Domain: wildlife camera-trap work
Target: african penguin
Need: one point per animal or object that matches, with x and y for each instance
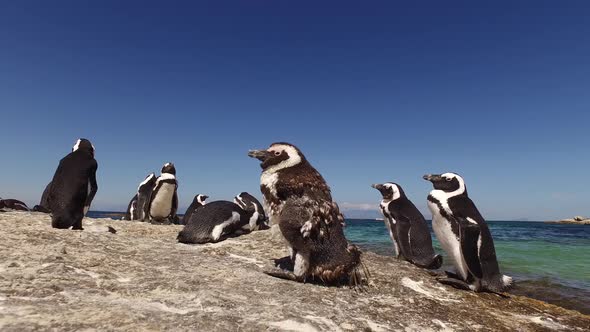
(299, 201)
(249, 203)
(138, 206)
(198, 201)
(164, 200)
(464, 235)
(73, 186)
(407, 227)
(13, 204)
(214, 222)
(131, 213)
(44, 204)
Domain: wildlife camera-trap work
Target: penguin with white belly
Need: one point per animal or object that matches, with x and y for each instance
(464, 235)
(164, 200)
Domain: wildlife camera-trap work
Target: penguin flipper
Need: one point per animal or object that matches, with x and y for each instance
(403, 236)
(469, 233)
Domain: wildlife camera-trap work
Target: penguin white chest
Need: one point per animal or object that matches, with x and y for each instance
(448, 240)
(390, 224)
(162, 201)
(269, 181)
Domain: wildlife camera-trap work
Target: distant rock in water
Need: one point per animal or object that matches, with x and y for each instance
(577, 220)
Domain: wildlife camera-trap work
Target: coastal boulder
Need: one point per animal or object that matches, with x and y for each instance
(142, 279)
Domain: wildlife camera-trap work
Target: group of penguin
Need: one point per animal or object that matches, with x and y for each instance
(457, 224)
(156, 201)
(299, 201)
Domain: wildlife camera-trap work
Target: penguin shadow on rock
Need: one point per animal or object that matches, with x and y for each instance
(219, 220)
(299, 201)
(465, 236)
(407, 227)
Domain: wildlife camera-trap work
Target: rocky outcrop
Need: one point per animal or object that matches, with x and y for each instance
(141, 279)
(577, 220)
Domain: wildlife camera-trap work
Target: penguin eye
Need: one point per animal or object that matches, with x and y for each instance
(448, 179)
(277, 153)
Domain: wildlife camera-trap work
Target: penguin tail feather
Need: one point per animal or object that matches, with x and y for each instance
(506, 281)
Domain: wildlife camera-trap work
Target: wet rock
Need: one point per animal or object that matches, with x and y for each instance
(142, 279)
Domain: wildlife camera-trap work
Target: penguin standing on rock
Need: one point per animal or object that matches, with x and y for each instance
(73, 186)
(164, 200)
(131, 213)
(138, 206)
(198, 202)
(44, 204)
(300, 203)
(464, 235)
(213, 222)
(407, 227)
(250, 203)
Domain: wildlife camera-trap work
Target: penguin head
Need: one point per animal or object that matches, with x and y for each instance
(83, 145)
(278, 156)
(200, 199)
(248, 202)
(447, 182)
(169, 168)
(390, 191)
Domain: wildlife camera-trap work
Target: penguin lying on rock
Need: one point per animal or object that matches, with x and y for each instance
(13, 204)
(300, 203)
(465, 236)
(247, 202)
(198, 201)
(215, 221)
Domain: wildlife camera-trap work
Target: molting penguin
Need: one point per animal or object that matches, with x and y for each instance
(44, 204)
(198, 201)
(407, 227)
(164, 200)
(249, 203)
(214, 222)
(464, 235)
(13, 204)
(300, 203)
(73, 186)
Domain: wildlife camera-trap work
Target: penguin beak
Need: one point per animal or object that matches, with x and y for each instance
(261, 155)
(377, 186)
(432, 177)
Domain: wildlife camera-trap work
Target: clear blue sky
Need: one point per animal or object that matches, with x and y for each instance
(498, 92)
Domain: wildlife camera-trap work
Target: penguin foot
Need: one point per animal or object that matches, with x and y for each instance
(456, 283)
(452, 275)
(280, 273)
(285, 263)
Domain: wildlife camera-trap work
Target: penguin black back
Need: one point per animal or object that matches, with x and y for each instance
(73, 186)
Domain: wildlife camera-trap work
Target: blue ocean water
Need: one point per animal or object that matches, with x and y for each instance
(549, 262)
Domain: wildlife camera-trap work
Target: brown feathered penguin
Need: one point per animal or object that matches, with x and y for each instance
(300, 203)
